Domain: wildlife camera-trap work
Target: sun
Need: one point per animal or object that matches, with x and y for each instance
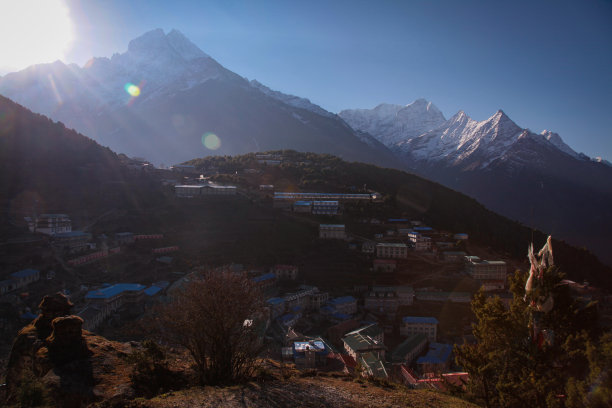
(33, 32)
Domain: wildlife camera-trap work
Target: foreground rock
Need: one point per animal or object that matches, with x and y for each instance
(72, 367)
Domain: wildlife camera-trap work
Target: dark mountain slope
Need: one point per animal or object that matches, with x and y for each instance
(44, 164)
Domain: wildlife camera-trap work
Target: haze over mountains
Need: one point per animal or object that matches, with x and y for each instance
(183, 94)
(534, 178)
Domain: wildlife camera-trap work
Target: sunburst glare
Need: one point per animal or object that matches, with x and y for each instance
(33, 32)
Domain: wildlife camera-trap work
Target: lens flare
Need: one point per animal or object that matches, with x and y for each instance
(211, 141)
(133, 90)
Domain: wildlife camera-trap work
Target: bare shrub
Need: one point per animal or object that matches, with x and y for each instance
(216, 318)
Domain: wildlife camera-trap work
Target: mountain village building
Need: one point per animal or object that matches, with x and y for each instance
(332, 231)
(285, 272)
(485, 270)
(387, 299)
(50, 224)
(414, 324)
(391, 250)
(325, 207)
(419, 242)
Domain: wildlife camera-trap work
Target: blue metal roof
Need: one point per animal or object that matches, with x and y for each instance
(276, 301)
(71, 234)
(416, 319)
(152, 290)
(423, 229)
(438, 353)
(114, 290)
(24, 272)
(265, 277)
(286, 317)
(327, 309)
(342, 300)
(305, 203)
(28, 316)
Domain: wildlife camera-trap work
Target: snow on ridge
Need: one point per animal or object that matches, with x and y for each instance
(292, 100)
(391, 124)
(556, 141)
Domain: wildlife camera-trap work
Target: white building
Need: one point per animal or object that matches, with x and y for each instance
(205, 190)
(419, 241)
(332, 231)
(325, 207)
(50, 224)
(414, 324)
(485, 270)
(391, 250)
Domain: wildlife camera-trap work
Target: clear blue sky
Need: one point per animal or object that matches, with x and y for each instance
(547, 64)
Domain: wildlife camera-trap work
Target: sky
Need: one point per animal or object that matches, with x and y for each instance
(546, 63)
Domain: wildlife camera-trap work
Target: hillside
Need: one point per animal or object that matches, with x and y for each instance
(409, 196)
(46, 167)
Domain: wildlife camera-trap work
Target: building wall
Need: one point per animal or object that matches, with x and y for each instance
(391, 251)
(332, 233)
(428, 329)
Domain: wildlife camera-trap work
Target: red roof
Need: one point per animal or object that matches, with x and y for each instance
(347, 360)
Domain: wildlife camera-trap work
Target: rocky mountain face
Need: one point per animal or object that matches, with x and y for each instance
(161, 97)
(533, 178)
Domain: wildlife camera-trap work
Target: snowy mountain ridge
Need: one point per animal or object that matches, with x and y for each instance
(456, 140)
(391, 124)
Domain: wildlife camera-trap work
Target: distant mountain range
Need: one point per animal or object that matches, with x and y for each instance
(534, 178)
(159, 99)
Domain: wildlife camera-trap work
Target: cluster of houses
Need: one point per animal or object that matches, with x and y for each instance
(362, 351)
(360, 344)
(107, 300)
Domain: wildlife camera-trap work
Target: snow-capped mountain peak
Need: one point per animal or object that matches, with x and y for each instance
(391, 123)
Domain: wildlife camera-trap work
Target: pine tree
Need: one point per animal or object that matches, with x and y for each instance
(524, 358)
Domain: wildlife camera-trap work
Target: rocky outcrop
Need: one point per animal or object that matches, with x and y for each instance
(75, 367)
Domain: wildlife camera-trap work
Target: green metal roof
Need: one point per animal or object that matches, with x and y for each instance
(407, 346)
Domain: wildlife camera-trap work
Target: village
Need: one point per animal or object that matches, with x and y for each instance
(398, 319)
